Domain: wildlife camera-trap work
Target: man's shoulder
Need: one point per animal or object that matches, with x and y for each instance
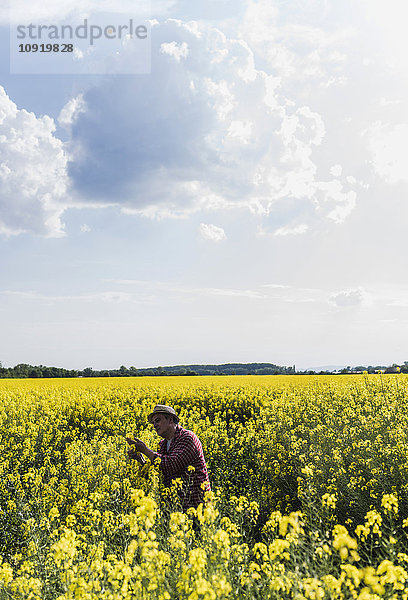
(185, 432)
(186, 435)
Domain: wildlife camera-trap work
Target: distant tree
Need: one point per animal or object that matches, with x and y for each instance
(36, 373)
(22, 370)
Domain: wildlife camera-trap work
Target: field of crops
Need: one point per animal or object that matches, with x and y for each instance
(309, 493)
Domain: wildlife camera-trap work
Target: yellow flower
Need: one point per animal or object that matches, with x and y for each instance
(6, 573)
(344, 543)
(390, 503)
(312, 588)
(65, 549)
(393, 574)
(329, 500)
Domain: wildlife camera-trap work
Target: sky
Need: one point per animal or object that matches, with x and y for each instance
(241, 197)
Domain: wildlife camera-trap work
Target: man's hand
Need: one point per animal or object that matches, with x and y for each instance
(137, 447)
(136, 444)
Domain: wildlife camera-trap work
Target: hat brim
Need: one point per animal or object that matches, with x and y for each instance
(162, 412)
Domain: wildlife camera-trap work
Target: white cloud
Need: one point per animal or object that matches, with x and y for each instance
(283, 294)
(390, 19)
(23, 11)
(260, 20)
(212, 232)
(108, 296)
(388, 144)
(353, 297)
(241, 131)
(222, 136)
(177, 51)
(298, 229)
(337, 203)
(85, 228)
(33, 179)
(336, 170)
(70, 112)
(292, 38)
(227, 292)
(225, 134)
(115, 296)
(385, 102)
(78, 54)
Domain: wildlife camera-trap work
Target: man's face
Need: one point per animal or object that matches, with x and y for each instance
(161, 423)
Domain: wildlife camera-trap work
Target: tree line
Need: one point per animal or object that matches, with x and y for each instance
(26, 371)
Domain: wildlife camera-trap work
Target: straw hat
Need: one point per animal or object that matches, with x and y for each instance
(162, 409)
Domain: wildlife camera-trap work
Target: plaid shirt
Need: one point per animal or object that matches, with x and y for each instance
(185, 450)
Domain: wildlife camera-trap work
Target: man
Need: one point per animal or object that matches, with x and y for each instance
(178, 450)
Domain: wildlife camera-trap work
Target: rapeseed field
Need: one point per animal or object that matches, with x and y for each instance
(309, 490)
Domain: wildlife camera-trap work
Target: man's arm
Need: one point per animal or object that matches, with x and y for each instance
(182, 456)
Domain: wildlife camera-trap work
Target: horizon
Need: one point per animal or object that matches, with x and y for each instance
(297, 368)
(238, 189)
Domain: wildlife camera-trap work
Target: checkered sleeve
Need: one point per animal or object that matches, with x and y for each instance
(184, 454)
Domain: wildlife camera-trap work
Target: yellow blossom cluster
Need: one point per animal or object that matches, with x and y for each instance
(309, 478)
